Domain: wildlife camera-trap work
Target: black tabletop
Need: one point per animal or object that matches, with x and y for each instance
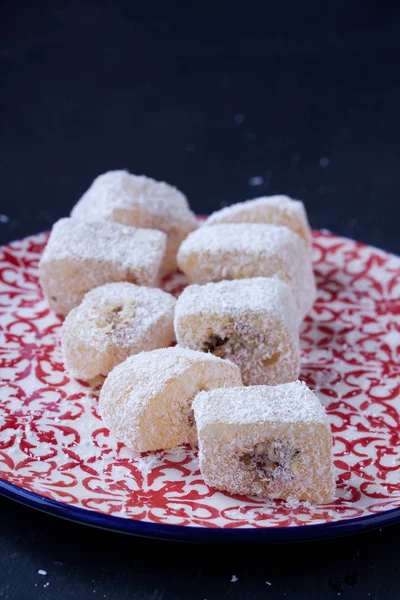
(227, 101)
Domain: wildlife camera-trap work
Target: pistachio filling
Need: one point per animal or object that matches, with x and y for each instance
(272, 460)
(236, 344)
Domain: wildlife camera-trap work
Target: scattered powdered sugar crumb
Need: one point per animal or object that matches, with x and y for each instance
(4, 219)
(348, 495)
(42, 572)
(324, 162)
(293, 503)
(256, 180)
(118, 472)
(46, 584)
(234, 579)
(147, 463)
(268, 583)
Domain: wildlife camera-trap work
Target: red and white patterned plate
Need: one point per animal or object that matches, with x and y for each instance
(56, 454)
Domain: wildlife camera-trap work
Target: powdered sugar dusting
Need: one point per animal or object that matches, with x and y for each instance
(246, 237)
(278, 210)
(73, 239)
(236, 297)
(235, 209)
(291, 402)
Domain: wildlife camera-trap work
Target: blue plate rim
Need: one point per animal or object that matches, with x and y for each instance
(190, 533)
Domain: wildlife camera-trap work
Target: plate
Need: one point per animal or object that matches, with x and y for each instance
(56, 454)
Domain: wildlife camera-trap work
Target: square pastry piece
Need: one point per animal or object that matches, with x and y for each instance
(139, 201)
(278, 210)
(113, 322)
(81, 255)
(252, 322)
(146, 401)
(273, 442)
(243, 250)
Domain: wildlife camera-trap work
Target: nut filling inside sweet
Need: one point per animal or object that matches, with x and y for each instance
(112, 315)
(272, 460)
(215, 345)
(247, 347)
(272, 359)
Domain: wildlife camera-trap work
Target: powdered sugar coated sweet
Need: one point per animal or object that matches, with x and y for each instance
(278, 210)
(114, 321)
(119, 191)
(146, 400)
(244, 250)
(113, 242)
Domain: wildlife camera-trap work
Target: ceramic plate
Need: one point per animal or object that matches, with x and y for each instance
(56, 454)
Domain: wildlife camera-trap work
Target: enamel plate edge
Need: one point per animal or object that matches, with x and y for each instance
(53, 443)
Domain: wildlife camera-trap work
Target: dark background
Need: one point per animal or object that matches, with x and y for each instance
(155, 87)
(305, 96)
